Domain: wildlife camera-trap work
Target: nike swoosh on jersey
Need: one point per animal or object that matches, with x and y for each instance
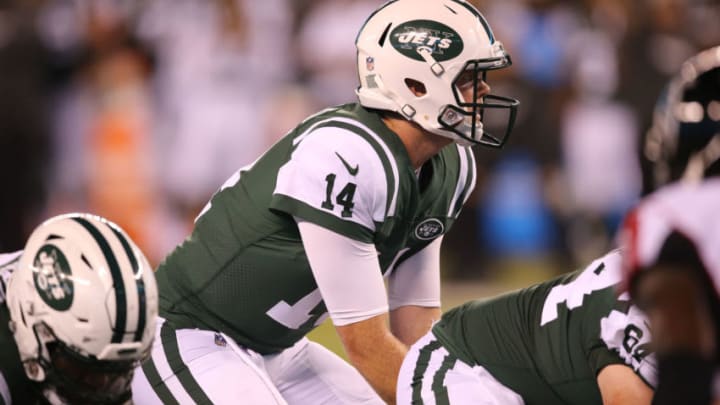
(352, 170)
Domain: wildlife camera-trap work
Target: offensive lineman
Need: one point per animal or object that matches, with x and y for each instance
(78, 308)
(673, 236)
(569, 340)
(352, 194)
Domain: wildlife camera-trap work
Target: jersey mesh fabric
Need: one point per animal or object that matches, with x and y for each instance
(243, 270)
(556, 362)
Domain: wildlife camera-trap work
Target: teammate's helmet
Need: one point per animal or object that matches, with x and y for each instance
(684, 140)
(434, 45)
(83, 307)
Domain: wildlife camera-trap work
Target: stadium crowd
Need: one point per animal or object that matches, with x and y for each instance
(137, 110)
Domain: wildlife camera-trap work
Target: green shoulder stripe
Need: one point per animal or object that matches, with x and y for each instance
(470, 173)
(463, 161)
(381, 149)
(346, 228)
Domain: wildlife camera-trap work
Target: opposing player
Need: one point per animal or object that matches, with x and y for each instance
(570, 340)
(672, 238)
(352, 194)
(78, 308)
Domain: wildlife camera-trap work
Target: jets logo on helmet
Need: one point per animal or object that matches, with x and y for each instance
(433, 71)
(442, 42)
(53, 278)
(83, 306)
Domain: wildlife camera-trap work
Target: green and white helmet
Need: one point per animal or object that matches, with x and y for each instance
(83, 306)
(434, 45)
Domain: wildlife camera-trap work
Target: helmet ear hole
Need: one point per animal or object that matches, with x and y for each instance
(417, 88)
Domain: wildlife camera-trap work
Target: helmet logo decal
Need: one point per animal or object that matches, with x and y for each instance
(442, 41)
(53, 278)
(429, 229)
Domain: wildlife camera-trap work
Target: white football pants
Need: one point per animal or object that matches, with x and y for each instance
(430, 375)
(193, 366)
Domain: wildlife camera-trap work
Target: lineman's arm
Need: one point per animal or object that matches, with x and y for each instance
(683, 333)
(414, 294)
(375, 352)
(348, 275)
(619, 385)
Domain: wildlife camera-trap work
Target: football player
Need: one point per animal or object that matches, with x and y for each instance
(353, 194)
(78, 307)
(672, 238)
(569, 340)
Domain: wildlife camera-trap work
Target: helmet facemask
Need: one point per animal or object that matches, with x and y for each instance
(467, 117)
(684, 140)
(440, 46)
(73, 378)
(83, 307)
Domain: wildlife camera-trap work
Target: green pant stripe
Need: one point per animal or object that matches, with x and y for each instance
(421, 366)
(157, 384)
(438, 384)
(178, 367)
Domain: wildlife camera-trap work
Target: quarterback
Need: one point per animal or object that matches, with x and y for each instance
(353, 194)
(78, 308)
(570, 340)
(673, 236)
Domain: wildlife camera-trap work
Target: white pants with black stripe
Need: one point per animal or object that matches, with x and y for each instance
(430, 375)
(204, 367)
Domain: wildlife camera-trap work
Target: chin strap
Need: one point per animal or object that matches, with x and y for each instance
(6, 270)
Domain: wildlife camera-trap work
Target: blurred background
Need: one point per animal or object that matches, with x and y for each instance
(139, 110)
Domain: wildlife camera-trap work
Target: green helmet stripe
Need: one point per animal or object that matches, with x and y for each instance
(371, 16)
(120, 296)
(140, 284)
(480, 17)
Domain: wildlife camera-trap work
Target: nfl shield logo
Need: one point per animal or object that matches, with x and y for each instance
(370, 63)
(220, 340)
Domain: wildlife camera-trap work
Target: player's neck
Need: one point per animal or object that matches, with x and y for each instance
(420, 144)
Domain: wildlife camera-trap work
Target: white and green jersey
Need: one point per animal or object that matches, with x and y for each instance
(244, 272)
(15, 387)
(548, 342)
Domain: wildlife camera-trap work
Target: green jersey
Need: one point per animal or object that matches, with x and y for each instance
(548, 342)
(15, 387)
(243, 270)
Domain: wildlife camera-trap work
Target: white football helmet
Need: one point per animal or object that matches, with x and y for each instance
(434, 45)
(83, 306)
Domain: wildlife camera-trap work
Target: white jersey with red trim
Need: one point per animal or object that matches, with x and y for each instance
(692, 210)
